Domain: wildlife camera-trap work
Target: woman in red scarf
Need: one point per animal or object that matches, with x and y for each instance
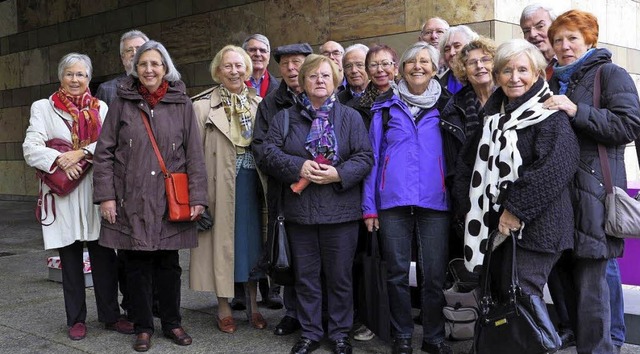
(129, 185)
(72, 222)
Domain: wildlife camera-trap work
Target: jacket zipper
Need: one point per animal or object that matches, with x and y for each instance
(444, 187)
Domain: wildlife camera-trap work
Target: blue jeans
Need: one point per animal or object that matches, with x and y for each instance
(431, 228)
(616, 302)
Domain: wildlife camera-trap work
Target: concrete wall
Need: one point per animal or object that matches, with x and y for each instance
(34, 35)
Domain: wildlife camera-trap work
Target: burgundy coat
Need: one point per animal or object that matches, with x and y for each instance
(126, 169)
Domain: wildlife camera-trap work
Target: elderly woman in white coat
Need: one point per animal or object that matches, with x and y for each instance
(229, 251)
(72, 114)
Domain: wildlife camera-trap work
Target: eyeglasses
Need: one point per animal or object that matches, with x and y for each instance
(316, 77)
(414, 62)
(254, 50)
(131, 50)
(151, 64)
(334, 53)
(71, 76)
(540, 26)
(358, 65)
(384, 64)
(429, 33)
(296, 62)
(476, 62)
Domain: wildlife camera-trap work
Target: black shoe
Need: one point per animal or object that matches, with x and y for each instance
(273, 299)
(402, 346)
(304, 346)
(287, 326)
(440, 348)
(568, 338)
(342, 346)
(238, 305)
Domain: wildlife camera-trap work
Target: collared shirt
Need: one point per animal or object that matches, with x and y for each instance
(356, 94)
(257, 84)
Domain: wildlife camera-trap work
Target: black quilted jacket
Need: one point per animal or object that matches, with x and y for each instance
(616, 124)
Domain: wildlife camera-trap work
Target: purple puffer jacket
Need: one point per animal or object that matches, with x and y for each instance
(408, 167)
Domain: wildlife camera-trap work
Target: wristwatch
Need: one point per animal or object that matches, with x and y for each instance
(86, 153)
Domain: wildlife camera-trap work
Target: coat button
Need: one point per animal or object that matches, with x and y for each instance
(153, 173)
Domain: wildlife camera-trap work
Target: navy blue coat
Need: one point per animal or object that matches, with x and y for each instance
(283, 159)
(614, 125)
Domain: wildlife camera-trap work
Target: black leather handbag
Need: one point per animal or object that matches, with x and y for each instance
(280, 267)
(521, 324)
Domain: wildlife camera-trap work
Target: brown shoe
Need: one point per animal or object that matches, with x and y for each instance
(121, 326)
(257, 321)
(227, 324)
(143, 342)
(178, 336)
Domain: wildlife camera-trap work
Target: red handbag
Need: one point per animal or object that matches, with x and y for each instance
(58, 181)
(176, 184)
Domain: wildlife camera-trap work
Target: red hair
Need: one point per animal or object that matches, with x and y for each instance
(576, 20)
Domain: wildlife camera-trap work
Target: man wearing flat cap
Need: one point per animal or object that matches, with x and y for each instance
(289, 58)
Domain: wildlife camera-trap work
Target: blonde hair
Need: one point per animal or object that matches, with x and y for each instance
(217, 60)
(313, 61)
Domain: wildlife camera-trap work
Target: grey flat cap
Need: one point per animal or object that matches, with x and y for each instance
(298, 48)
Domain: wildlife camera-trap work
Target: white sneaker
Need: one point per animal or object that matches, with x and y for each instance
(363, 334)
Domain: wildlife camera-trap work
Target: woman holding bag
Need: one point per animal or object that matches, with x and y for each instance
(73, 115)
(130, 187)
(514, 177)
(574, 36)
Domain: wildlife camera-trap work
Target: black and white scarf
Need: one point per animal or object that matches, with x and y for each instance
(496, 165)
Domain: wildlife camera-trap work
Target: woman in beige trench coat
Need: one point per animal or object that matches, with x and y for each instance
(220, 111)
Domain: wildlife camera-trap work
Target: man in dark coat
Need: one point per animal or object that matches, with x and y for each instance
(289, 58)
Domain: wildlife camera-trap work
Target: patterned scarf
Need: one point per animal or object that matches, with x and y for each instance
(85, 111)
(497, 163)
(153, 98)
(369, 95)
(321, 140)
(418, 103)
(238, 111)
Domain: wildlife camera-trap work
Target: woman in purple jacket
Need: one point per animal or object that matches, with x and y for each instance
(405, 195)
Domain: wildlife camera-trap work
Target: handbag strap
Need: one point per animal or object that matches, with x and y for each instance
(145, 120)
(602, 150)
(373, 248)
(514, 288)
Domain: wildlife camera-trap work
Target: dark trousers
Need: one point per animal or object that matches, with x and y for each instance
(593, 318)
(289, 299)
(533, 268)
(105, 283)
(122, 282)
(562, 292)
(398, 226)
(141, 267)
(327, 249)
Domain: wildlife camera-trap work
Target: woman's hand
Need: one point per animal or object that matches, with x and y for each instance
(69, 158)
(325, 174)
(561, 103)
(508, 222)
(108, 211)
(73, 172)
(372, 224)
(308, 167)
(196, 211)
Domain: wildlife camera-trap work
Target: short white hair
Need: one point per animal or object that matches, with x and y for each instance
(71, 59)
(530, 9)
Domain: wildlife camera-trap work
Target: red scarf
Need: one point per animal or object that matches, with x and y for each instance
(265, 84)
(153, 98)
(85, 111)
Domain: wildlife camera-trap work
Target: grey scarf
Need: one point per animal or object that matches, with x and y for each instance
(418, 103)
